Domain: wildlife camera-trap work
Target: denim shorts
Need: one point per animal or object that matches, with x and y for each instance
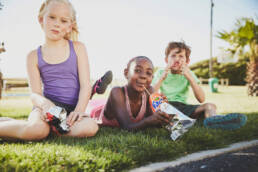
(184, 108)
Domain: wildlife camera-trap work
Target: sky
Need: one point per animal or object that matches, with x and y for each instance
(114, 31)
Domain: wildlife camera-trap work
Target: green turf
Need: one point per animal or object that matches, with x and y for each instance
(118, 150)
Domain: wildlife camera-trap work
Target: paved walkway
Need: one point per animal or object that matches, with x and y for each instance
(223, 160)
(245, 160)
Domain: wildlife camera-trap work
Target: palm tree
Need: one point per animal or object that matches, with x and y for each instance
(245, 36)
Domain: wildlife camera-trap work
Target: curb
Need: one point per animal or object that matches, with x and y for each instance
(195, 157)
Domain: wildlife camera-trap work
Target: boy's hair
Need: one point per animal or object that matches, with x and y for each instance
(73, 35)
(181, 46)
(137, 58)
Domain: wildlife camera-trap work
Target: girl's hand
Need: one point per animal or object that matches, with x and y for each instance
(159, 117)
(74, 117)
(165, 116)
(164, 97)
(45, 108)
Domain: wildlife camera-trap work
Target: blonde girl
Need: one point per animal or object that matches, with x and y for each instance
(58, 74)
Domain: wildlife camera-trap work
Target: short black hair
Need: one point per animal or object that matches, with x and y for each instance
(137, 58)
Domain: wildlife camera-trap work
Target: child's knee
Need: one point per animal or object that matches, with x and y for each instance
(36, 131)
(90, 129)
(210, 106)
(85, 128)
(35, 115)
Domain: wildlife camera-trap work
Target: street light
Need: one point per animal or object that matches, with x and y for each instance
(213, 82)
(210, 63)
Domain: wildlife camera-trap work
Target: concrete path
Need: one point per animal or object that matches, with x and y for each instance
(166, 166)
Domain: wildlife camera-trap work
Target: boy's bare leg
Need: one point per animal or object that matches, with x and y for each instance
(86, 127)
(32, 129)
(208, 109)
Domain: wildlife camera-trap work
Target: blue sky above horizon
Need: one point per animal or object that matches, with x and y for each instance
(116, 30)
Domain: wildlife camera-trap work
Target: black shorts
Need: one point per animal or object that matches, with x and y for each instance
(67, 107)
(184, 108)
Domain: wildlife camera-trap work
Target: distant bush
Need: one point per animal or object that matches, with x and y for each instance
(235, 72)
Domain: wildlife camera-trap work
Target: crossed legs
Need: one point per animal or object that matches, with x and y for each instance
(86, 127)
(35, 128)
(32, 129)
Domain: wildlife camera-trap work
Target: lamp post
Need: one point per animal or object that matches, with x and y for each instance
(210, 63)
(213, 82)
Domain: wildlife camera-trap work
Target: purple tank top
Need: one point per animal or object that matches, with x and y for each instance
(60, 81)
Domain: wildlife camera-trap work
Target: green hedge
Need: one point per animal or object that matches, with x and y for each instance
(235, 72)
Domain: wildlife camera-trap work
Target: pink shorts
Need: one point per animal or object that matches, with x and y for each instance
(96, 111)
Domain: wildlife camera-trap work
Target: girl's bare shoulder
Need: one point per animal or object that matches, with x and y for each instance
(80, 51)
(78, 45)
(115, 99)
(32, 56)
(116, 91)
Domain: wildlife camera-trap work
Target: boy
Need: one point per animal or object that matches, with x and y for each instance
(174, 82)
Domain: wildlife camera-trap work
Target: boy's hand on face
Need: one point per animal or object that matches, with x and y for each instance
(165, 73)
(185, 70)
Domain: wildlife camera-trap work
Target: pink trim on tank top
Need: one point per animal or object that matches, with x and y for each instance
(97, 113)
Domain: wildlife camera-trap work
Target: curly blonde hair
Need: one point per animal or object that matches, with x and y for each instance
(73, 35)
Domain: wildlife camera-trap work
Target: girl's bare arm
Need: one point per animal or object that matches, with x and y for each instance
(197, 89)
(85, 87)
(37, 98)
(84, 77)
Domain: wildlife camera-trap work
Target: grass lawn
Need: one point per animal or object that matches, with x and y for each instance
(118, 150)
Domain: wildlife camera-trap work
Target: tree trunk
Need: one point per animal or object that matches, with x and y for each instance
(252, 78)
